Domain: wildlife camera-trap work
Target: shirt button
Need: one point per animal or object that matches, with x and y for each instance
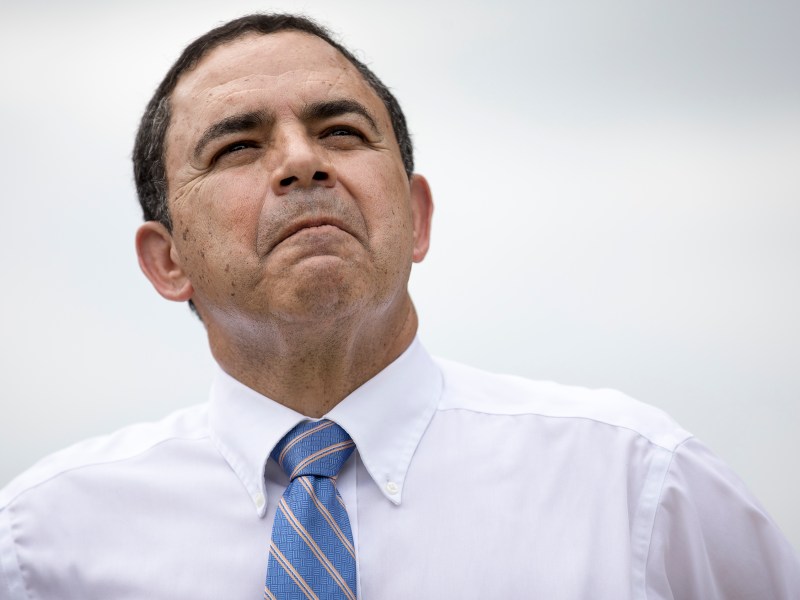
(392, 487)
(259, 500)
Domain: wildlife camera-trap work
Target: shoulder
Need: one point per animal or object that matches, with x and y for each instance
(471, 389)
(711, 538)
(124, 445)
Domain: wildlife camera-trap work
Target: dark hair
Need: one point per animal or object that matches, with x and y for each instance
(149, 169)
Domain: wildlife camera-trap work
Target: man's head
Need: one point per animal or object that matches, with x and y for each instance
(285, 170)
(149, 150)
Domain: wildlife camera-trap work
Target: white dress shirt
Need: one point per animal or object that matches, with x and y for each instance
(464, 484)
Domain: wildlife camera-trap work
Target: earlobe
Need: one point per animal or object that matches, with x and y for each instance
(159, 262)
(422, 213)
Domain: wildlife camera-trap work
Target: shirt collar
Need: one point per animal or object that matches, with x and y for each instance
(386, 417)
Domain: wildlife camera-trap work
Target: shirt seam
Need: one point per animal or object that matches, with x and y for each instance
(580, 417)
(10, 559)
(655, 514)
(96, 463)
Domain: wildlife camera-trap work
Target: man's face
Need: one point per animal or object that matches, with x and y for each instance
(286, 189)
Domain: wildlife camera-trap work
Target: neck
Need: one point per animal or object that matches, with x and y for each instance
(310, 369)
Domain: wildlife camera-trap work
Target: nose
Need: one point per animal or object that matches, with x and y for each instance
(302, 163)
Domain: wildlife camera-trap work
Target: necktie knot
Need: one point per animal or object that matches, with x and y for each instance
(313, 448)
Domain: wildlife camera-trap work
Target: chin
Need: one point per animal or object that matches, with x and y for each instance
(325, 294)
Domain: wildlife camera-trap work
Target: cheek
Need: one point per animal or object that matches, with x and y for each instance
(235, 198)
(220, 205)
(389, 220)
(395, 212)
(215, 226)
(384, 196)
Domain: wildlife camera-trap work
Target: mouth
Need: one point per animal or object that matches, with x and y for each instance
(307, 224)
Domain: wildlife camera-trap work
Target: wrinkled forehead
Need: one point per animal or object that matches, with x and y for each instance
(282, 64)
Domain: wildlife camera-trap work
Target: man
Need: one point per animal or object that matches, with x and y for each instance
(276, 177)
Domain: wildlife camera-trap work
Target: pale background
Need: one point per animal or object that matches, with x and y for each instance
(618, 202)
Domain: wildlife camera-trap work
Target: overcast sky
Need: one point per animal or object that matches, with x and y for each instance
(618, 202)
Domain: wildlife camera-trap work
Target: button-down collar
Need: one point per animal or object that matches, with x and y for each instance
(386, 418)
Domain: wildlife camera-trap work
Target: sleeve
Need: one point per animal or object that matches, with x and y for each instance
(712, 539)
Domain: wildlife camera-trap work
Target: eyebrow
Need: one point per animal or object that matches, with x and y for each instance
(233, 124)
(318, 111)
(249, 121)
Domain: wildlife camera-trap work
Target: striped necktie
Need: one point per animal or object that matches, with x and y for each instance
(311, 555)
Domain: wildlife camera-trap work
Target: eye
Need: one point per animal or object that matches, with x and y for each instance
(342, 131)
(237, 146)
(233, 148)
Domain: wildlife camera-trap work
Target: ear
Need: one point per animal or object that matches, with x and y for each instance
(422, 213)
(158, 260)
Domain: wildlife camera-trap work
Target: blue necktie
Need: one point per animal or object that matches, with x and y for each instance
(311, 555)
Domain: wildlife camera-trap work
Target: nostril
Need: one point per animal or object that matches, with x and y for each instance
(288, 180)
(320, 176)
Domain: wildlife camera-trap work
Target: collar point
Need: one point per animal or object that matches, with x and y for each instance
(393, 491)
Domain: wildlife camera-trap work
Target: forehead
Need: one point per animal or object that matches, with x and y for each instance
(285, 66)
